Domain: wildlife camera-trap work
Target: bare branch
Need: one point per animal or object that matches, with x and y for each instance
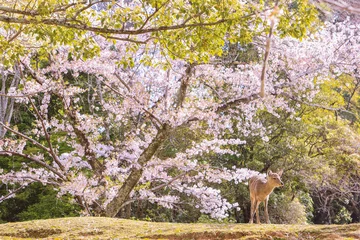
(9, 195)
(47, 136)
(44, 164)
(26, 137)
(267, 49)
(15, 35)
(20, 96)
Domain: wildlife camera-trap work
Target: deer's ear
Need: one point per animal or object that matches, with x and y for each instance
(280, 172)
(269, 172)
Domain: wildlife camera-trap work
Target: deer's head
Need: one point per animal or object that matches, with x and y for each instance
(274, 179)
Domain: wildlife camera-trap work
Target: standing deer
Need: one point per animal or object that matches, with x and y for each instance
(260, 190)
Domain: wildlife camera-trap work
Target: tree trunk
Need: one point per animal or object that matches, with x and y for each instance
(116, 204)
(183, 87)
(353, 207)
(6, 103)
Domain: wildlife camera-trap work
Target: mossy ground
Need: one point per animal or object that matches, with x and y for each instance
(108, 228)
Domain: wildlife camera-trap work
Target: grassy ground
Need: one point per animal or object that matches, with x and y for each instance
(107, 228)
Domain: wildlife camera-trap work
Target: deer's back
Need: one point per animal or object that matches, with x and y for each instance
(256, 187)
(255, 180)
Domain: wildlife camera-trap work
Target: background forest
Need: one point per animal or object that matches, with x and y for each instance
(162, 110)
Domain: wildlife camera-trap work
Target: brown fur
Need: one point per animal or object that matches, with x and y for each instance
(260, 190)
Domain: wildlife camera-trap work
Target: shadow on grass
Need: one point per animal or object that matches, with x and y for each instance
(34, 233)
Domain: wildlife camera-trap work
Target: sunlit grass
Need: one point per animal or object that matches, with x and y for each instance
(109, 228)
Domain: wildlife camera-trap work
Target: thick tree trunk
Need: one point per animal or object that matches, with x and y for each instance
(116, 204)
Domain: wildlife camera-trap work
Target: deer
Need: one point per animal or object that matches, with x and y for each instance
(260, 190)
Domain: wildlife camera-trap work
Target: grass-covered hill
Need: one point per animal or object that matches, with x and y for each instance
(108, 228)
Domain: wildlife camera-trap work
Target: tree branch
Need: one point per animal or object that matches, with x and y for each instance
(34, 13)
(267, 49)
(183, 86)
(129, 39)
(3, 198)
(91, 157)
(135, 99)
(47, 136)
(153, 14)
(236, 102)
(45, 165)
(26, 137)
(115, 205)
(68, 24)
(20, 96)
(169, 182)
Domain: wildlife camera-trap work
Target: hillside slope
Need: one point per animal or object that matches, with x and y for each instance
(108, 228)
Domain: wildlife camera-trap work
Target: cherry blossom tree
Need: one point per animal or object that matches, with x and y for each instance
(101, 121)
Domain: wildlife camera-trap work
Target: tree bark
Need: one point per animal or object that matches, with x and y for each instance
(116, 204)
(183, 87)
(6, 104)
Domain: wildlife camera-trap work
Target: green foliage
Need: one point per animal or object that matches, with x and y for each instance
(179, 141)
(297, 19)
(36, 202)
(343, 216)
(236, 53)
(194, 31)
(49, 206)
(306, 200)
(284, 210)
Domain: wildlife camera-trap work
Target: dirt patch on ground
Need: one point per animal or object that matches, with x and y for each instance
(328, 235)
(34, 233)
(352, 235)
(280, 235)
(91, 233)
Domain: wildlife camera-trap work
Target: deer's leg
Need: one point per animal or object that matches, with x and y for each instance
(266, 210)
(257, 211)
(252, 210)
